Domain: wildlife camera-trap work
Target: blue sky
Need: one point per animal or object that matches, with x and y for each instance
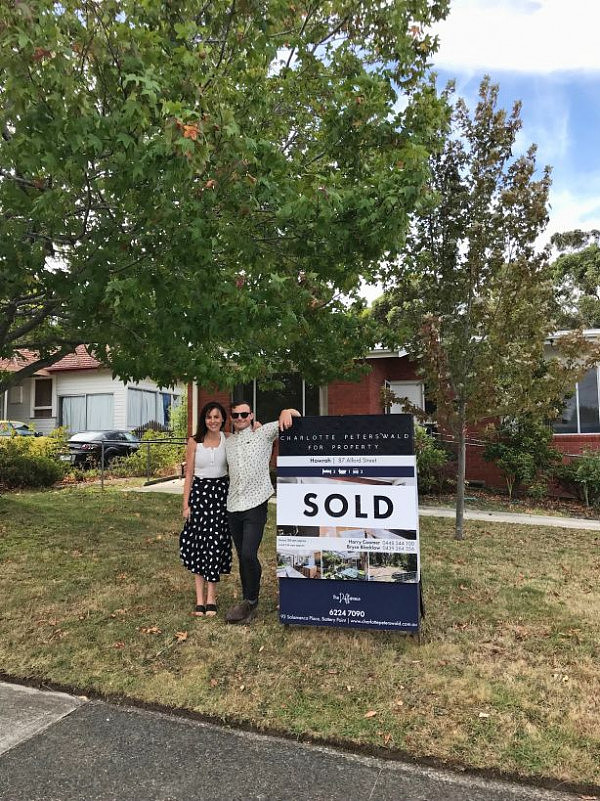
(545, 53)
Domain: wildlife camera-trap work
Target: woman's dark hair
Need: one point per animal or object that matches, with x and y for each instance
(202, 429)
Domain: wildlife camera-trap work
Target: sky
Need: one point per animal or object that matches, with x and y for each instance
(545, 53)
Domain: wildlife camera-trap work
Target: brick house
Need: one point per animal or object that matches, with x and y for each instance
(576, 431)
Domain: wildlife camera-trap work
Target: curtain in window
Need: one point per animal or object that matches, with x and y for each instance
(100, 413)
(73, 413)
(142, 407)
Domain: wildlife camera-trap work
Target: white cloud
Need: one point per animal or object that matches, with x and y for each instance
(570, 211)
(534, 36)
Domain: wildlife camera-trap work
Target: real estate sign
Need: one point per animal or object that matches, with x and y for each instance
(348, 524)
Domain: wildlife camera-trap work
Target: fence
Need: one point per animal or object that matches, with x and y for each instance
(145, 455)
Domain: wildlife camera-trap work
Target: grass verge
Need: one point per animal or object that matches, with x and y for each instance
(507, 678)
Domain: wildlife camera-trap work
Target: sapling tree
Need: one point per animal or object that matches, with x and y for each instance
(472, 297)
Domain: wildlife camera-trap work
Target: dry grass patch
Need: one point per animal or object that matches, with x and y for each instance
(506, 677)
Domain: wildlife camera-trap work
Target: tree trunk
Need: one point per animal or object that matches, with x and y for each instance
(460, 477)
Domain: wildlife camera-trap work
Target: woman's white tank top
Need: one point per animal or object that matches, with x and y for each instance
(210, 462)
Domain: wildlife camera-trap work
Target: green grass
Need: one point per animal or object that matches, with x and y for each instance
(506, 677)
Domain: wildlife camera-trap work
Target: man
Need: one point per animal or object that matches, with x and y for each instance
(248, 456)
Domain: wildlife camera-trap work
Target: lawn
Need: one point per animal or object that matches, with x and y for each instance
(506, 676)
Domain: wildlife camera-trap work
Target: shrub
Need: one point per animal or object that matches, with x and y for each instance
(179, 419)
(155, 458)
(581, 476)
(29, 462)
(431, 460)
(521, 450)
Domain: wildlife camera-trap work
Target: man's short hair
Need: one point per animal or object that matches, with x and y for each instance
(237, 403)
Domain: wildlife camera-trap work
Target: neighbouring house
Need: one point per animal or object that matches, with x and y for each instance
(80, 393)
(577, 430)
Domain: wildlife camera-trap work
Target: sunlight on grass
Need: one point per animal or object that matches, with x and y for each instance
(506, 677)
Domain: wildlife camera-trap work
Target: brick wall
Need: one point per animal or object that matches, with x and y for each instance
(363, 396)
(204, 396)
(576, 443)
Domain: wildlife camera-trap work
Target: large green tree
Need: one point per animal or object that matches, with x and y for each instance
(196, 187)
(472, 298)
(576, 273)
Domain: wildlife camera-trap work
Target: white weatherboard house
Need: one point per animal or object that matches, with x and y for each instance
(80, 393)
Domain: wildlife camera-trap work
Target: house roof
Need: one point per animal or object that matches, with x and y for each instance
(80, 359)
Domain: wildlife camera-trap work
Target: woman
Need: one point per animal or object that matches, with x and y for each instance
(205, 542)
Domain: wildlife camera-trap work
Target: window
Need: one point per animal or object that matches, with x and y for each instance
(149, 406)
(267, 403)
(413, 390)
(581, 412)
(87, 412)
(42, 398)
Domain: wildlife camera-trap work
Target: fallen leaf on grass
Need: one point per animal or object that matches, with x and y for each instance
(262, 648)
(119, 644)
(214, 682)
(181, 636)
(371, 713)
(118, 612)
(242, 687)
(149, 630)
(483, 715)
(386, 738)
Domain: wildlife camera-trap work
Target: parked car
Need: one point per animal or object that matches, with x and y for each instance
(85, 448)
(10, 428)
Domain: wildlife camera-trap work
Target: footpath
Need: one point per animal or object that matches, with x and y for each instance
(58, 747)
(175, 486)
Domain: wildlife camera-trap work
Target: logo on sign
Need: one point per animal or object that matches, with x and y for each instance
(344, 597)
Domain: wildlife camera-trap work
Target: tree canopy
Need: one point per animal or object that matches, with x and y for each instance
(195, 189)
(576, 273)
(472, 296)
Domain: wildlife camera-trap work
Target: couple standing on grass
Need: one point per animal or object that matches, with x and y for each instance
(225, 494)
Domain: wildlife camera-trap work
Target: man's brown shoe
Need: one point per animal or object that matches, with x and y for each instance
(241, 613)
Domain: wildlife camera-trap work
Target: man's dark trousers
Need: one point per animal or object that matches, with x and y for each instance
(247, 530)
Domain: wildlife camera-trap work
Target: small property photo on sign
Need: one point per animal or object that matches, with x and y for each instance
(347, 523)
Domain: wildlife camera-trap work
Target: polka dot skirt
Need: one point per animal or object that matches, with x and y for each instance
(205, 542)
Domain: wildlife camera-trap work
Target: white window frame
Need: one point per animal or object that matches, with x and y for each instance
(420, 384)
(323, 399)
(579, 432)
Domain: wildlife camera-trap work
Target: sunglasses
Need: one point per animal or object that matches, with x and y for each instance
(243, 415)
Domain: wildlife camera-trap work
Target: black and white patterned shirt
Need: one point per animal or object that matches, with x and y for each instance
(248, 457)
